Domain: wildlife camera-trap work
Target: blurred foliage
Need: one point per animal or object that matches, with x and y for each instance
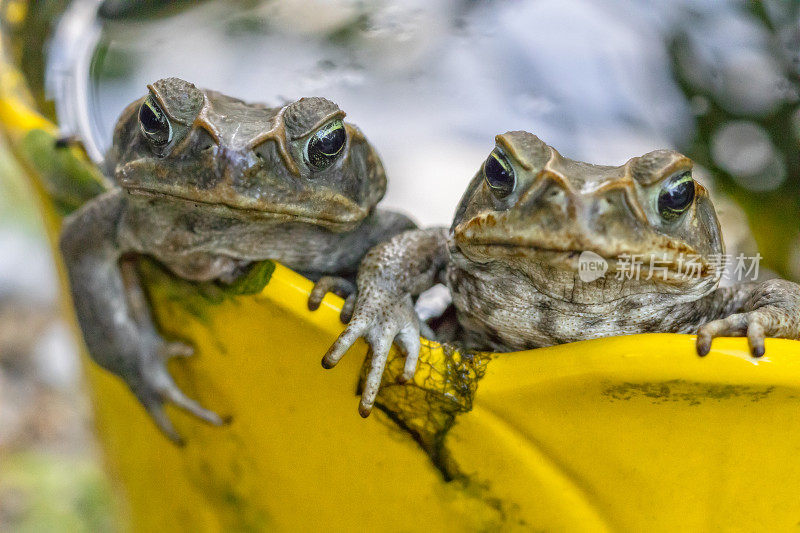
(143, 9)
(21, 22)
(16, 205)
(774, 215)
(43, 488)
(71, 181)
(110, 63)
(46, 492)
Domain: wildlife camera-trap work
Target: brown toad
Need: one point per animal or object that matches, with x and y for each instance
(512, 262)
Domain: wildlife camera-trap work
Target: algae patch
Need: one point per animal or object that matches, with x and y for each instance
(679, 390)
(443, 387)
(194, 297)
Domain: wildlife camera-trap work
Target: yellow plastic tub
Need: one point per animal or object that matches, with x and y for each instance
(631, 433)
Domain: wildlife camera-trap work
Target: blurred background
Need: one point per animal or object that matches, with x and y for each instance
(430, 82)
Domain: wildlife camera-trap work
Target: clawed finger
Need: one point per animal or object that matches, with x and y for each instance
(317, 294)
(372, 384)
(426, 331)
(408, 341)
(338, 286)
(343, 343)
(755, 338)
(347, 309)
(156, 410)
(173, 394)
(177, 349)
(735, 325)
(157, 388)
(703, 344)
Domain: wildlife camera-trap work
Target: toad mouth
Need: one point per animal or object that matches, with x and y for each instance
(273, 212)
(645, 262)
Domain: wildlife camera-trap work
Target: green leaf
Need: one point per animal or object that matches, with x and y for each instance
(71, 181)
(254, 280)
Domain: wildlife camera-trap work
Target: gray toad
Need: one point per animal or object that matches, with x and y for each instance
(207, 184)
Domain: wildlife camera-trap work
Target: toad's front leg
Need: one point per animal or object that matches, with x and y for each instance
(755, 310)
(390, 275)
(379, 227)
(113, 313)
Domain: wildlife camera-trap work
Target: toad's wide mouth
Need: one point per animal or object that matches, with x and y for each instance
(668, 263)
(268, 211)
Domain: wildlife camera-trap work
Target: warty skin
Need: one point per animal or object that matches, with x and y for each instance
(511, 262)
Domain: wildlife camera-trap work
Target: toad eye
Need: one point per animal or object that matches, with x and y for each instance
(154, 123)
(676, 196)
(499, 174)
(325, 145)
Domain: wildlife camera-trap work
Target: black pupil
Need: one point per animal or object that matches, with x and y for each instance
(499, 175)
(325, 145)
(676, 196)
(154, 123)
(331, 143)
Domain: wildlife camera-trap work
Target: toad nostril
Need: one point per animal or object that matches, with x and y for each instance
(608, 205)
(555, 197)
(548, 196)
(603, 205)
(616, 204)
(203, 141)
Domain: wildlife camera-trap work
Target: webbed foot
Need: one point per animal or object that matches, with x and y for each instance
(153, 385)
